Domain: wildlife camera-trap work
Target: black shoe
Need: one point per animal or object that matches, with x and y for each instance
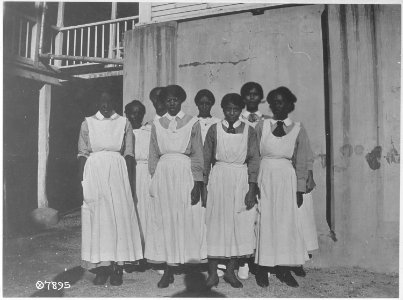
(289, 280)
(232, 280)
(117, 275)
(299, 271)
(262, 278)
(212, 280)
(102, 275)
(253, 268)
(166, 280)
(101, 279)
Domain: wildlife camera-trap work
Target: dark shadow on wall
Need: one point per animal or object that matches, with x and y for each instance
(20, 152)
(71, 103)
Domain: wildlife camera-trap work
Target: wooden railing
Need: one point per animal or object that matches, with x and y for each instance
(19, 35)
(98, 40)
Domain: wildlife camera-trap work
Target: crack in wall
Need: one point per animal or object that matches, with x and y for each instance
(197, 63)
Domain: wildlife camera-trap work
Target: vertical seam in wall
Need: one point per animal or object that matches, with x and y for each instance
(142, 33)
(158, 53)
(375, 69)
(379, 172)
(345, 118)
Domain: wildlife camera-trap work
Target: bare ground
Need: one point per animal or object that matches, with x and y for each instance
(54, 255)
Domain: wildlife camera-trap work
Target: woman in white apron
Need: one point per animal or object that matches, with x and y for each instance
(205, 100)
(282, 184)
(135, 112)
(231, 147)
(110, 232)
(176, 232)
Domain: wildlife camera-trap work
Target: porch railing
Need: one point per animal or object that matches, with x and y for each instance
(99, 40)
(74, 45)
(19, 35)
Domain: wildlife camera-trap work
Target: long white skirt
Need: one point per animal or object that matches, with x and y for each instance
(230, 227)
(176, 231)
(110, 230)
(280, 238)
(307, 219)
(143, 180)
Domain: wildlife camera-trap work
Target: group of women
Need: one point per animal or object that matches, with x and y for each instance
(189, 190)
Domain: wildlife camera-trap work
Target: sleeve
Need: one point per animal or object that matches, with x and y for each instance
(196, 153)
(301, 159)
(129, 141)
(259, 130)
(83, 140)
(253, 156)
(154, 152)
(209, 150)
(310, 155)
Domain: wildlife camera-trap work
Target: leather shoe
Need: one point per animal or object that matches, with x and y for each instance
(233, 281)
(288, 279)
(262, 279)
(166, 280)
(299, 271)
(102, 275)
(117, 275)
(212, 280)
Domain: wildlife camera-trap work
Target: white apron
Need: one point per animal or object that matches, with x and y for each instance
(176, 232)
(143, 177)
(307, 219)
(280, 238)
(110, 229)
(230, 227)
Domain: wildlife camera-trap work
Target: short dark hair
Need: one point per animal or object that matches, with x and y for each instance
(285, 93)
(174, 90)
(136, 103)
(250, 85)
(204, 93)
(155, 93)
(232, 98)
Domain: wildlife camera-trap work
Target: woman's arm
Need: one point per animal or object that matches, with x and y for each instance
(197, 162)
(154, 152)
(209, 150)
(83, 149)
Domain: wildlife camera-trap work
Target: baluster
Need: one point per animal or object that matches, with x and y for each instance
(96, 41)
(20, 38)
(132, 24)
(117, 42)
(68, 46)
(125, 26)
(75, 44)
(103, 40)
(26, 41)
(81, 45)
(51, 47)
(88, 40)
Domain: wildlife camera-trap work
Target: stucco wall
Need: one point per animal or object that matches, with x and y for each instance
(280, 47)
(364, 44)
(284, 46)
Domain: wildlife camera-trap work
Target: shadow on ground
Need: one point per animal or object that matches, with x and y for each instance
(195, 284)
(71, 276)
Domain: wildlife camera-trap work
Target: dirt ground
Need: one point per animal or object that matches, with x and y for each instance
(54, 255)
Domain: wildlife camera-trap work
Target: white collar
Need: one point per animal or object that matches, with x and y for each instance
(179, 115)
(157, 117)
(236, 124)
(246, 114)
(100, 116)
(287, 122)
